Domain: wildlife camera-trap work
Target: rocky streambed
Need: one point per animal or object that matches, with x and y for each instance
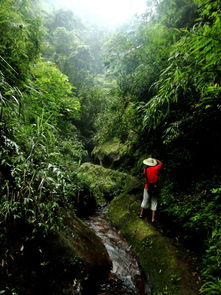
(125, 276)
(161, 260)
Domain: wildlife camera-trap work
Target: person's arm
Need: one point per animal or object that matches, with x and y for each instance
(160, 164)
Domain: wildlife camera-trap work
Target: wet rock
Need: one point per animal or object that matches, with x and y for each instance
(90, 249)
(72, 261)
(160, 260)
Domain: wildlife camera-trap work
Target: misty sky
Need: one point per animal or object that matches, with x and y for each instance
(106, 12)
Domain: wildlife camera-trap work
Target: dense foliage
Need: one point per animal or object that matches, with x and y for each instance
(39, 140)
(152, 89)
(76, 48)
(167, 68)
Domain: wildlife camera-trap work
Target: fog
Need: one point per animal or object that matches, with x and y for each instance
(101, 12)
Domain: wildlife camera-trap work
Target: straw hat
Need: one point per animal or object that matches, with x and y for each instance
(150, 162)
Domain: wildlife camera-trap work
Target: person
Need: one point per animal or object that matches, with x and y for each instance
(151, 187)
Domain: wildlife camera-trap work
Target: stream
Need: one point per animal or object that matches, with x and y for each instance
(126, 276)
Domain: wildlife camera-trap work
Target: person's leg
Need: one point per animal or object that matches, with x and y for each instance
(144, 204)
(153, 207)
(153, 215)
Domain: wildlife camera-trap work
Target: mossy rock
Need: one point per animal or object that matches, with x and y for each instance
(87, 247)
(76, 255)
(159, 258)
(56, 262)
(110, 151)
(103, 183)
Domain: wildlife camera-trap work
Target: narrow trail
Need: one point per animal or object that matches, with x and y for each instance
(125, 276)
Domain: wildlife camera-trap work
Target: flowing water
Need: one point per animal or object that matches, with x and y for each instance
(125, 277)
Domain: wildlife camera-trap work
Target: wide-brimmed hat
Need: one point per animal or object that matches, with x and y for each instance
(150, 162)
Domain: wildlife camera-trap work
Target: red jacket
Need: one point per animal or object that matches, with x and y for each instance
(152, 174)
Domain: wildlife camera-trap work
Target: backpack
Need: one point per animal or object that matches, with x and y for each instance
(153, 188)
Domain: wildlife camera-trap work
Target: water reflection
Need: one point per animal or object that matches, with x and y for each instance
(125, 277)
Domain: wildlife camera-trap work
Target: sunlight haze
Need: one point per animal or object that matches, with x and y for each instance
(108, 12)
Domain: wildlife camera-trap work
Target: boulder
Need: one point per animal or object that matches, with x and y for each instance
(104, 184)
(162, 262)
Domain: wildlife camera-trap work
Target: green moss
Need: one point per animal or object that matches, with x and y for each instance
(87, 245)
(113, 149)
(77, 241)
(158, 257)
(104, 183)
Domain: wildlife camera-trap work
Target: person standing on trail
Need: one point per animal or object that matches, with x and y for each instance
(151, 187)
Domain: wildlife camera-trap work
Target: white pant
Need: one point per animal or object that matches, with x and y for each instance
(149, 199)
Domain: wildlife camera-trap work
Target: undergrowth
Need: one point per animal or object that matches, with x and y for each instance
(195, 220)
